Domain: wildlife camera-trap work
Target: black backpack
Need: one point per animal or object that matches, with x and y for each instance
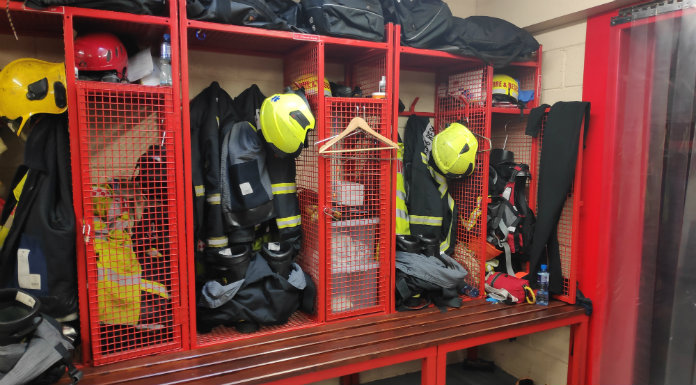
(492, 40)
(357, 19)
(139, 7)
(424, 23)
(511, 221)
(268, 14)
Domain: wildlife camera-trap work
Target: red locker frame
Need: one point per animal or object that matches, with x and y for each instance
(306, 55)
(475, 79)
(490, 122)
(111, 125)
(508, 129)
(300, 49)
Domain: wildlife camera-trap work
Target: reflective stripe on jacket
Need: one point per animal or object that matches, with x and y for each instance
(402, 218)
(285, 204)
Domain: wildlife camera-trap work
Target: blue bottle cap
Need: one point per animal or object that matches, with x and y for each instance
(166, 37)
(543, 267)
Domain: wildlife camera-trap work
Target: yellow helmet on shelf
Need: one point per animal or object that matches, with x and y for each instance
(31, 86)
(285, 120)
(454, 151)
(505, 88)
(309, 83)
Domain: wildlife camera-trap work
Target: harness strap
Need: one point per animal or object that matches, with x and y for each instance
(74, 373)
(508, 259)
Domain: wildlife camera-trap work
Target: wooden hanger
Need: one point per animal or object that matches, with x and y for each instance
(358, 123)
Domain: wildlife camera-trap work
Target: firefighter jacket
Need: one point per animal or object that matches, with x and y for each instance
(285, 203)
(37, 225)
(210, 109)
(247, 199)
(431, 209)
(121, 286)
(122, 289)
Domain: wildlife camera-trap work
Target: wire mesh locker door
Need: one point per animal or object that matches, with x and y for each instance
(358, 210)
(462, 97)
(132, 258)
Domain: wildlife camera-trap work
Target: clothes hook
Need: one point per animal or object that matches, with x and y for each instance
(506, 134)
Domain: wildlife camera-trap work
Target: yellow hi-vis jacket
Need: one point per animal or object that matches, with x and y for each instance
(402, 225)
(119, 283)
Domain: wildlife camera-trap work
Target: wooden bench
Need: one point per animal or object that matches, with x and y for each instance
(343, 348)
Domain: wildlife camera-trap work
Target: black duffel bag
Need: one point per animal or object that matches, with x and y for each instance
(139, 7)
(268, 14)
(423, 22)
(357, 19)
(491, 39)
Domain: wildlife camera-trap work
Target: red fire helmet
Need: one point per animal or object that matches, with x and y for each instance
(101, 52)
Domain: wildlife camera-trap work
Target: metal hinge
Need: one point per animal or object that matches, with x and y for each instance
(653, 8)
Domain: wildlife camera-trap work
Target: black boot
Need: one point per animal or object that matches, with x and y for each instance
(408, 243)
(279, 256)
(232, 267)
(430, 246)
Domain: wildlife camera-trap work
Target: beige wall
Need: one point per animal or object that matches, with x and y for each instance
(234, 72)
(542, 357)
(562, 62)
(530, 12)
(462, 8)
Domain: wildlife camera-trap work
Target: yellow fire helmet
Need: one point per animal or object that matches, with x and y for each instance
(505, 88)
(31, 86)
(454, 151)
(309, 83)
(285, 120)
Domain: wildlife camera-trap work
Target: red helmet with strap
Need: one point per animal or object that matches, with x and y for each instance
(101, 52)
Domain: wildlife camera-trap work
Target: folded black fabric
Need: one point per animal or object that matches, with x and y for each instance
(559, 153)
(493, 40)
(534, 120)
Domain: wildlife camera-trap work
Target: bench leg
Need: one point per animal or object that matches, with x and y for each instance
(578, 353)
(429, 367)
(441, 367)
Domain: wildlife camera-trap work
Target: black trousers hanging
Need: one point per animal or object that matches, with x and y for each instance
(559, 153)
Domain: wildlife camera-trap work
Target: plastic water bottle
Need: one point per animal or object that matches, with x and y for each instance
(166, 62)
(542, 297)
